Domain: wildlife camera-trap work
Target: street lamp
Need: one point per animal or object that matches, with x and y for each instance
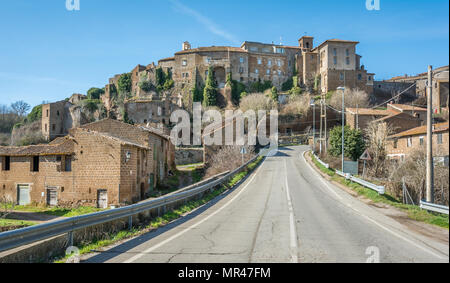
(343, 123)
(313, 104)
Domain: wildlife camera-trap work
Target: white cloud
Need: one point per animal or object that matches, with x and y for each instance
(207, 23)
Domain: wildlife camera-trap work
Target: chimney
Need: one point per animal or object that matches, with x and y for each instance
(186, 46)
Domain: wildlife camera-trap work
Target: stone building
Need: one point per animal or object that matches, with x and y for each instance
(400, 117)
(401, 145)
(107, 163)
(325, 67)
(59, 117)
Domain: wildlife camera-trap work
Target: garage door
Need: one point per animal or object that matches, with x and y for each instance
(23, 194)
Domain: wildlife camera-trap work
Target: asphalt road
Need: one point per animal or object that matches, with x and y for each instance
(284, 212)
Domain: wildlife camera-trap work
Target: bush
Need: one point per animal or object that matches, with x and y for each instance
(35, 114)
(287, 85)
(353, 98)
(95, 93)
(354, 144)
(274, 94)
(260, 87)
(146, 86)
(257, 101)
(124, 83)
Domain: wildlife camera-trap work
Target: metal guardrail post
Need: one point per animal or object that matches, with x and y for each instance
(70, 239)
(130, 223)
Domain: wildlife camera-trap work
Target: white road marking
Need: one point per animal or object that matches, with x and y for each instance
(293, 231)
(376, 223)
(149, 250)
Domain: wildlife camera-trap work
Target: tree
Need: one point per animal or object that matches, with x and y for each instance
(354, 144)
(95, 93)
(160, 77)
(35, 114)
(20, 107)
(377, 134)
(197, 94)
(124, 83)
(146, 86)
(353, 98)
(210, 91)
(274, 94)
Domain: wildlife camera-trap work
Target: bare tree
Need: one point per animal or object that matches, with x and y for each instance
(257, 101)
(20, 107)
(377, 134)
(353, 98)
(228, 158)
(297, 105)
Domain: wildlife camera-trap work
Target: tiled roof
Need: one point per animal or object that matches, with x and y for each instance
(368, 111)
(442, 127)
(167, 59)
(405, 107)
(212, 49)
(64, 146)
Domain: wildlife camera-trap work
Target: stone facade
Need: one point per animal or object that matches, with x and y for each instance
(401, 145)
(107, 163)
(400, 117)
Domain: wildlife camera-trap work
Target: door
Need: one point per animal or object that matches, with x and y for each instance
(23, 194)
(52, 197)
(102, 199)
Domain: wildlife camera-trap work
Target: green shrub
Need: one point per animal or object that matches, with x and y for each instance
(124, 83)
(95, 93)
(354, 144)
(146, 86)
(210, 90)
(35, 114)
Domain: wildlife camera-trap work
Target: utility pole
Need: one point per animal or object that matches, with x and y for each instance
(314, 126)
(321, 124)
(343, 125)
(430, 168)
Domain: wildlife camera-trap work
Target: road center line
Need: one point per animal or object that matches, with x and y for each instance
(293, 232)
(149, 250)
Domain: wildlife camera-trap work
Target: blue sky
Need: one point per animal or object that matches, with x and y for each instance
(48, 53)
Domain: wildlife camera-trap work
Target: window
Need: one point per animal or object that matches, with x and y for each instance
(256, 71)
(410, 142)
(422, 140)
(57, 113)
(254, 49)
(335, 60)
(35, 164)
(184, 63)
(259, 61)
(341, 76)
(241, 59)
(439, 139)
(6, 164)
(268, 72)
(334, 51)
(269, 63)
(47, 112)
(53, 127)
(241, 70)
(359, 77)
(68, 163)
(279, 50)
(279, 72)
(279, 63)
(369, 78)
(395, 143)
(347, 60)
(347, 52)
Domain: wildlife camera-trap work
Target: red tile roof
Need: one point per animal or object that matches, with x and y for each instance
(437, 128)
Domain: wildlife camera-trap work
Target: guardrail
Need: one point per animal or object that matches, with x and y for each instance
(380, 189)
(24, 236)
(434, 207)
(320, 161)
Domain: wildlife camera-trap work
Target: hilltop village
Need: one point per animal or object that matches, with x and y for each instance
(112, 146)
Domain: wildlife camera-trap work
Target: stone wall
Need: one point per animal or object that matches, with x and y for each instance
(185, 156)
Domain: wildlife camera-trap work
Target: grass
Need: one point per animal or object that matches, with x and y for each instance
(15, 223)
(165, 219)
(56, 211)
(413, 212)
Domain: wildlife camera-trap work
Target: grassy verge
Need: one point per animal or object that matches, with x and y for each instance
(413, 212)
(15, 223)
(166, 218)
(56, 211)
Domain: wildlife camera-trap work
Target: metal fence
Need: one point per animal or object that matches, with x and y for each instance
(434, 207)
(320, 161)
(24, 236)
(380, 189)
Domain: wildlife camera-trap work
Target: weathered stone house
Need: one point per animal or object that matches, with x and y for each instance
(401, 145)
(400, 117)
(104, 164)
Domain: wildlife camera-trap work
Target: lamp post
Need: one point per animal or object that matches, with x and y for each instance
(343, 123)
(313, 104)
